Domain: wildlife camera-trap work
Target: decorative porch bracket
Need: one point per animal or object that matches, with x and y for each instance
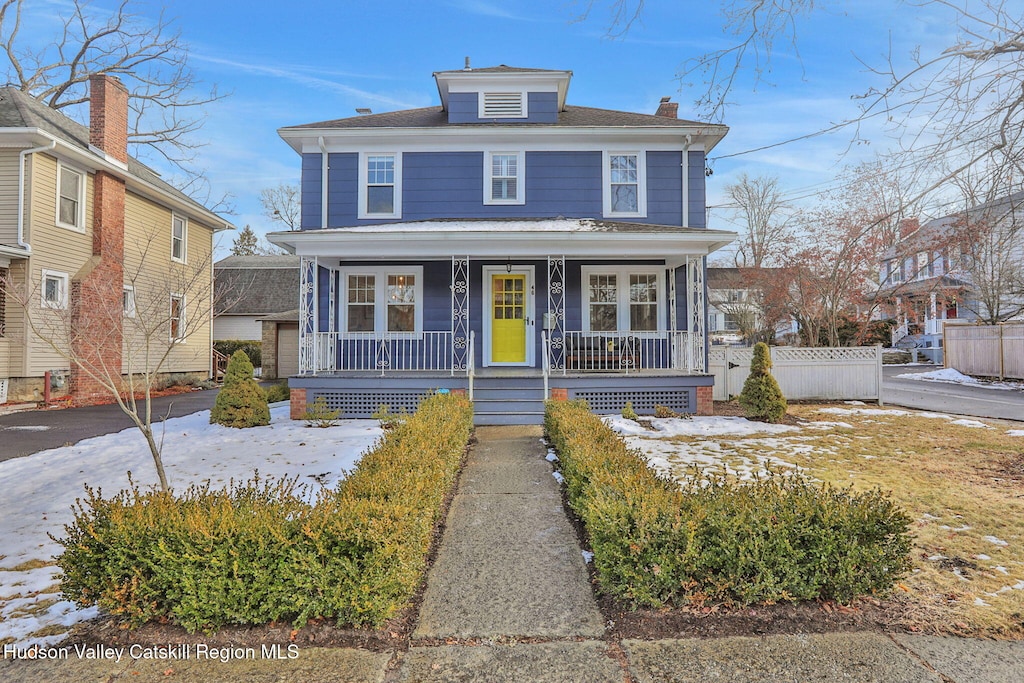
(460, 314)
(695, 314)
(308, 322)
(555, 324)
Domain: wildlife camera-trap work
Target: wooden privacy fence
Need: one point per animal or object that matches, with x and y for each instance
(985, 350)
(828, 373)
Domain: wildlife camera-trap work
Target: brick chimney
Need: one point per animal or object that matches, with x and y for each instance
(97, 289)
(669, 110)
(108, 116)
(908, 226)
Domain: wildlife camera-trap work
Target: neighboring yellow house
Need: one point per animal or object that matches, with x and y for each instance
(99, 255)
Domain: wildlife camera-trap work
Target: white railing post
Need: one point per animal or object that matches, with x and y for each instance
(471, 362)
(546, 360)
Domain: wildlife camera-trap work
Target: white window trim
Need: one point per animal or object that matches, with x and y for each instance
(61, 169)
(128, 297)
(62, 303)
(182, 315)
(184, 239)
(622, 274)
(363, 176)
(641, 180)
(524, 111)
(520, 175)
(380, 304)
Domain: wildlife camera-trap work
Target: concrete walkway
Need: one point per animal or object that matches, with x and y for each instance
(508, 599)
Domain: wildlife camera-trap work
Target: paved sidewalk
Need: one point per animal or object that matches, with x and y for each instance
(509, 570)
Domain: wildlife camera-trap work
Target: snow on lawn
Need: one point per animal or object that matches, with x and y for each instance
(40, 489)
(744, 459)
(951, 376)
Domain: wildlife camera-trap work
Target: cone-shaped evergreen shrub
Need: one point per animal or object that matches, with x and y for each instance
(241, 402)
(761, 397)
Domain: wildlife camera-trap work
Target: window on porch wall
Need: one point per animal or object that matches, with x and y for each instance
(635, 308)
(401, 303)
(361, 304)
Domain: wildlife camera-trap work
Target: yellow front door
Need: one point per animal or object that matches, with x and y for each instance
(508, 318)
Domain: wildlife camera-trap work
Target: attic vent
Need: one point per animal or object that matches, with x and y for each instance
(503, 105)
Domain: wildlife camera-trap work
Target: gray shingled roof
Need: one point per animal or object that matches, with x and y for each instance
(20, 110)
(501, 69)
(434, 117)
(255, 285)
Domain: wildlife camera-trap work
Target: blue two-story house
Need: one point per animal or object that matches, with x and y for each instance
(506, 244)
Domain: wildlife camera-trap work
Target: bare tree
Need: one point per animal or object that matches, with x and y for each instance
(283, 205)
(989, 239)
(761, 208)
(962, 102)
(150, 58)
(150, 316)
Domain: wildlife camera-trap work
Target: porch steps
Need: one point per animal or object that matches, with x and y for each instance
(508, 401)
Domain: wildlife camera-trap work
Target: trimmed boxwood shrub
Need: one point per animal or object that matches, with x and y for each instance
(761, 396)
(780, 538)
(241, 402)
(261, 551)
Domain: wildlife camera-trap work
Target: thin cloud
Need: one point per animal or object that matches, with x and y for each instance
(487, 9)
(297, 76)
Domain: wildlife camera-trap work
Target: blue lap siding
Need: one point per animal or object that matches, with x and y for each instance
(451, 185)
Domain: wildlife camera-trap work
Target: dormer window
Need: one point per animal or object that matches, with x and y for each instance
(502, 105)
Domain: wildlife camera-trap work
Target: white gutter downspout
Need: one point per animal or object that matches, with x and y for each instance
(686, 181)
(323, 182)
(21, 191)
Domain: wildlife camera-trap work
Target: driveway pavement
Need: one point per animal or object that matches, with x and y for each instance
(31, 431)
(945, 397)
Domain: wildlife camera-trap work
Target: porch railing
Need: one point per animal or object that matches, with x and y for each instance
(626, 351)
(371, 352)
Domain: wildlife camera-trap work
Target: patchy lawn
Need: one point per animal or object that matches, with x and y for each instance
(961, 480)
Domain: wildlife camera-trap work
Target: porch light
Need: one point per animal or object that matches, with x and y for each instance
(508, 265)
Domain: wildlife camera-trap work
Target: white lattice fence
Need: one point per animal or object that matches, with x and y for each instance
(833, 373)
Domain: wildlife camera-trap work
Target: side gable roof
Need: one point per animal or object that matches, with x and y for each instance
(20, 110)
(255, 285)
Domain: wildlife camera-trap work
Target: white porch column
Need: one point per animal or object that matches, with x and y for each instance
(695, 313)
(308, 315)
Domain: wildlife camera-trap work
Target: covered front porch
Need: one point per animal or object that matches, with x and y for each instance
(555, 310)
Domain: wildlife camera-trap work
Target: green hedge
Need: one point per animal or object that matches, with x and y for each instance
(781, 538)
(258, 552)
(253, 349)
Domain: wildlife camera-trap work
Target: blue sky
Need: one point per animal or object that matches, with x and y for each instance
(299, 62)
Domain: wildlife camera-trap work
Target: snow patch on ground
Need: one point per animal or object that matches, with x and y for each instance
(714, 425)
(194, 451)
(970, 423)
(1015, 432)
(995, 541)
(26, 428)
(951, 376)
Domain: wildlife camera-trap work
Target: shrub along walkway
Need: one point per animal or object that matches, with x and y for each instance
(508, 599)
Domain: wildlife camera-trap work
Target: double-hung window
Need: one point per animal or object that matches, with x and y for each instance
(625, 184)
(621, 299)
(54, 289)
(179, 239)
(128, 301)
(382, 301)
(380, 185)
(503, 178)
(177, 318)
(70, 198)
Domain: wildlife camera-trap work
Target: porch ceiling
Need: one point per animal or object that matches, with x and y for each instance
(572, 238)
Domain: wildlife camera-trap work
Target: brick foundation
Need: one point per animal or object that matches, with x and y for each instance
(298, 403)
(705, 402)
(559, 394)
